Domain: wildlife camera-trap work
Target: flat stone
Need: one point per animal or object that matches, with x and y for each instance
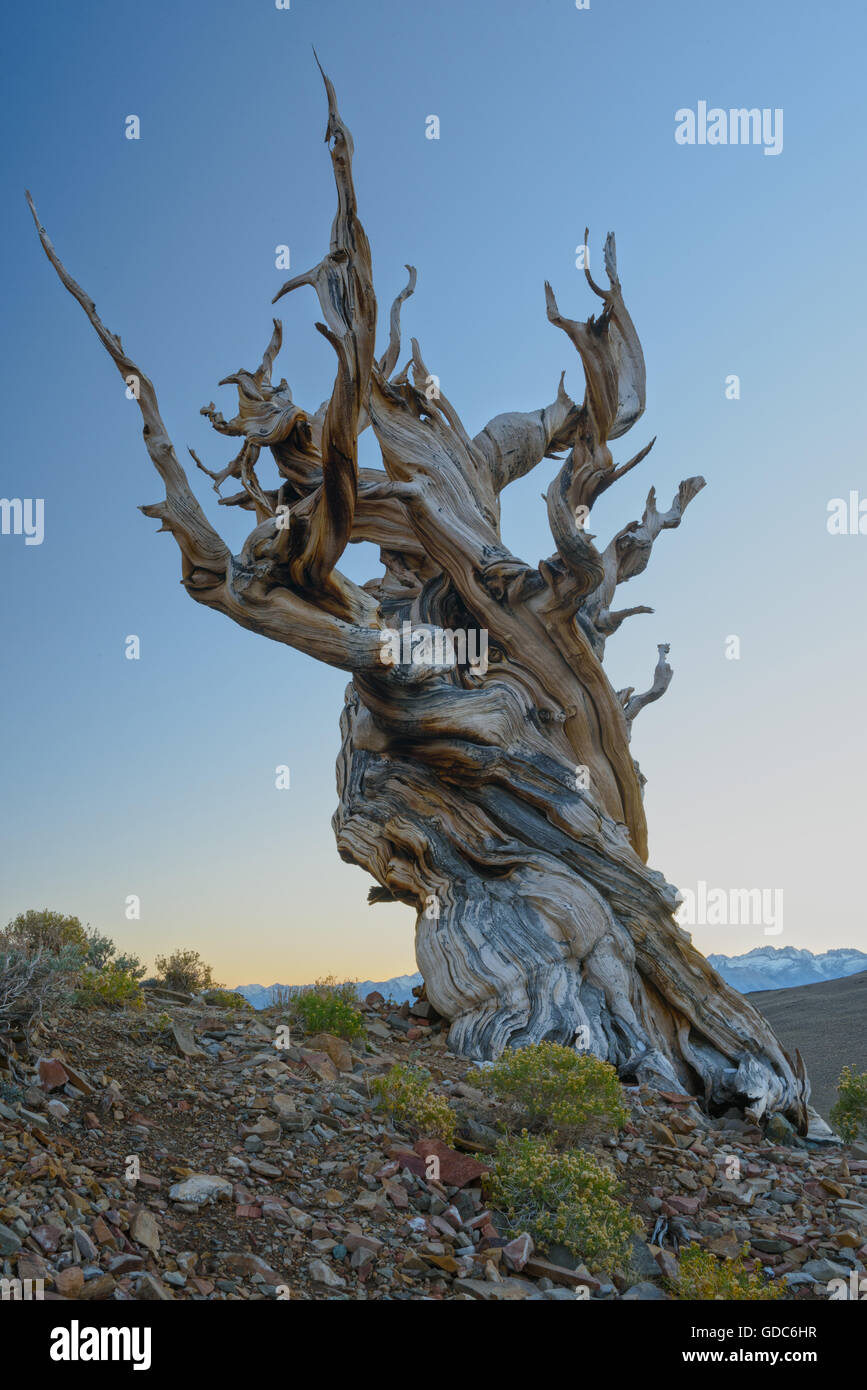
(103, 1286)
(823, 1270)
(538, 1268)
(335, 1048)
(518, 1251)
(323, 1274)
(125, 1263)
(641, 1260)
(150, 1289)
(69, 1282)
(47, 1237)
(145, 1231)
(201, 1188)
(456, 1169)
(184, 1040)
(52, 1074)
(644, 1292)
(506, 1291)
(320, 1064)
(244, 1262)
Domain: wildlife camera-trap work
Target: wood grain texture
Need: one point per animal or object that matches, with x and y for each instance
(500, 800)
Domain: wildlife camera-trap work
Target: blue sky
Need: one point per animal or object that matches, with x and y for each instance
(156, 777)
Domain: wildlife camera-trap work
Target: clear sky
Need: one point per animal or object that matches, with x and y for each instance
(156, 777)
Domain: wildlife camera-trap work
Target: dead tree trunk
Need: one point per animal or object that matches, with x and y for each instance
(500, 799)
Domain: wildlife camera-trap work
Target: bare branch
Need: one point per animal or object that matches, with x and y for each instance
(202, 549)
(633, 704)
(388, 361)
(515, 442)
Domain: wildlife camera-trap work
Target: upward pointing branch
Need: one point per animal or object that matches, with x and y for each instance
(202, 548)
(343, 282)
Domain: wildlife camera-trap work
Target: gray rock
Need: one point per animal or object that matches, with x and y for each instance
(9, 1242)
(184, 1041)
(641, 1261)
(201, 1188)
(823, 1270)
(323, 1274)
(644, 1291)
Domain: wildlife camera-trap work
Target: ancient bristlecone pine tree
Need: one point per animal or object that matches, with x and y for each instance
(459, 786)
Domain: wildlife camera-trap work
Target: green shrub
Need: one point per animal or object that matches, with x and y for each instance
(404, 1091)
(560, 1196)
(112, 986)
(329, 1007)
(849, 1113)
(32, 978)
(45, 931)
(555, 1089)
(99, 950)
(227, 999)
(701, 1276)
(185, 971)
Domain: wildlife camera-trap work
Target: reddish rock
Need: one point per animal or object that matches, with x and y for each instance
(320, 1064)
(103, 1234)
(684, 1206)
(674, 1099)
(518, 1252)
(52, 1074)
(355, 1242)
(374, 1000)
(47, 1237)
(456, 1170)
(69, 1282)
(397, 1194)
(335, 1048)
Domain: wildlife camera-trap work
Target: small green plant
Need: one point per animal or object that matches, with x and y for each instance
(404, 1091)
(329, 1007)
(162, 1022)
(849, 1112)
(185, 971)
(701, 1276)
(227, 999)
(112, 987)
(555, 1089)
(561, 1196)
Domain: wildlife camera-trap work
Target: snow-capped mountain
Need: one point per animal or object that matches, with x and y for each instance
(779, 967)
(399, 989)
(766, 967)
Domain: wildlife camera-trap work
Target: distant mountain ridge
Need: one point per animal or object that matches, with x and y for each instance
(399, 989)
(766, 967)
(785, 967)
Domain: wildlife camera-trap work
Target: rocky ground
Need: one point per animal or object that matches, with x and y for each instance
(264, 1171)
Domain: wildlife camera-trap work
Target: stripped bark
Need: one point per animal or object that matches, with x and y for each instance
(501, 801)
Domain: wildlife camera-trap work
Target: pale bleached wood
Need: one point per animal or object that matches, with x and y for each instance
(458, 786)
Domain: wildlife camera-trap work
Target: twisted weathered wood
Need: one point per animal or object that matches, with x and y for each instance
(499, 797)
